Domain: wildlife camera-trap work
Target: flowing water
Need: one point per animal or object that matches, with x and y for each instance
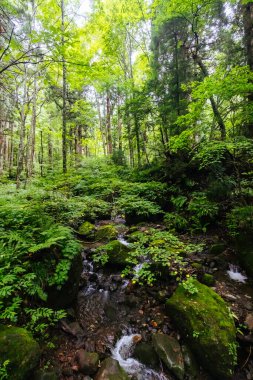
(123, 351)
(235, 274)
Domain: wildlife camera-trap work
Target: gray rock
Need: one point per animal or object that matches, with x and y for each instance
(169, 351)
(87, 362)
(111, 370)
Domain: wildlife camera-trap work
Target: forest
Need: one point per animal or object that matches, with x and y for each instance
(126, 190)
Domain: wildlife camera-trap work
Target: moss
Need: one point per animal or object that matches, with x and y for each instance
(18, 346)
(217, 249)
(87, 230)
(208, 279)
(117, 253)
(106, 233)
(203, 318)
(197, 266)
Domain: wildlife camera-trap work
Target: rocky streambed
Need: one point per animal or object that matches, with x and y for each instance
(121, 330)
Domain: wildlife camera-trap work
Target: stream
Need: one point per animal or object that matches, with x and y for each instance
(112, 314)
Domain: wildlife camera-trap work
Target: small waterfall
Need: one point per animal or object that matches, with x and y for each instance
(235, 274)
(123, 351)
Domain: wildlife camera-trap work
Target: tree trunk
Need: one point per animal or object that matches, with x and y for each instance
(216, 112)
(248, 40)
(64, 92)
(108, 124)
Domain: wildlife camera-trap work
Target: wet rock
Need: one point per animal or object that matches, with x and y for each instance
(110, 370)
(18, 346)
(106, 233)
(87, 362)
(66, 295)
(145, 353)
(191, 366)
(169, 351)
(208, 279)
(45, 375)
(203, 318)
(229, 297)
(87, 230)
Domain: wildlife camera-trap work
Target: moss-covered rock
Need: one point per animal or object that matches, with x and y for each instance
(190, 364)
(169, 351)
(116, 253)
(20, 349)
(106, 233)
(208, 279)
(111, 370)
(218, 248)
(145, 353)
(66, 295)
(87, 230)
(203, 318)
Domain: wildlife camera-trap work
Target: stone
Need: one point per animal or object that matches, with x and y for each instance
(66, 295)
(145, 353)
(169, 351)
(23, 352)
(111, 370)
(203, 318)
(217, 249)
(87, 362)
(87, 230)
(249, 321)
(106, 233)
(191, 366)
(208, 279)
(116, 252)
(197, 266)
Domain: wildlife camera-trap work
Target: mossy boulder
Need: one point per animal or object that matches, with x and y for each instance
(66, 295)
(203, 318)
(218, 248)
(87, 230)
(111, 370)
(106, 233)
(169, 351)
(117, 254)
(18, 346)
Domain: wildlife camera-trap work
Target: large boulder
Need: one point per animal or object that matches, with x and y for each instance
(117, 254)
(169, 351)
(66, 295)
(106, 233)
(203, 318)
(19, 348)
(111, 370)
